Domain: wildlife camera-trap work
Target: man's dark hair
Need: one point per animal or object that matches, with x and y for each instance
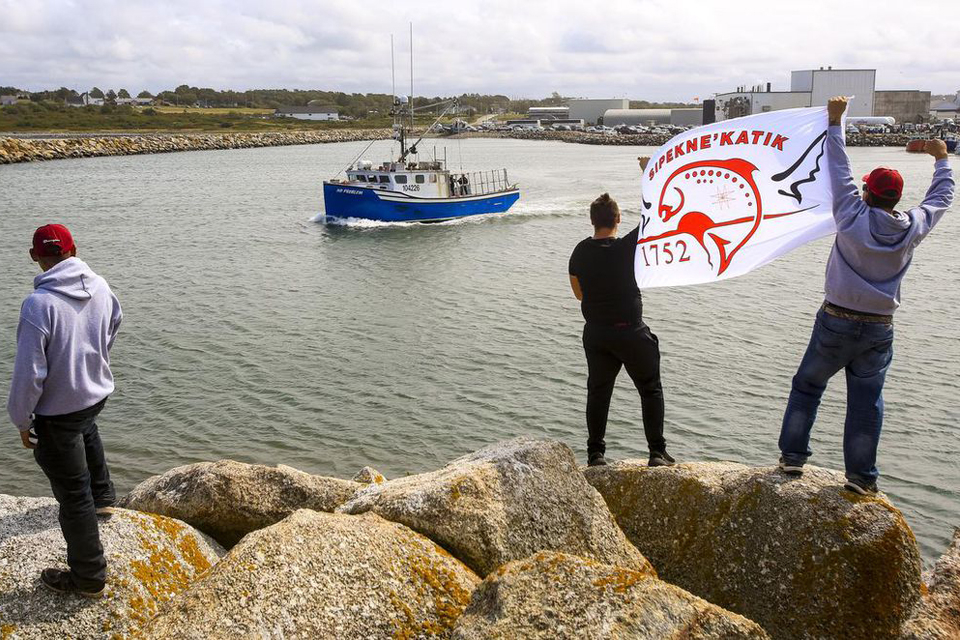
(880, 202)
(604, 211)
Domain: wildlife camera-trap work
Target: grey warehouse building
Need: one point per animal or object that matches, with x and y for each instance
(591, 111)
(652, 117)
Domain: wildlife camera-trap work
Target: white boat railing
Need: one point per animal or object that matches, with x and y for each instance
(480, 183)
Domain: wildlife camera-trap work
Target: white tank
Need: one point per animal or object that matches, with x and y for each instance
(868, 120)
(365, 165)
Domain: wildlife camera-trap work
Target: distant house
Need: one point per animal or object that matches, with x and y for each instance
(140, 102)
(310, 112)
(5, 100)
(83, 100)
(949, 108)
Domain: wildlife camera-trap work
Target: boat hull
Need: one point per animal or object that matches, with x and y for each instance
(348, 201)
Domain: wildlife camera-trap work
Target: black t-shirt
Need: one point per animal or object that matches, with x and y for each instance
(605, 271)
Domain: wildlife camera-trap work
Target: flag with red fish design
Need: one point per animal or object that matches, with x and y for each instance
(723, 199)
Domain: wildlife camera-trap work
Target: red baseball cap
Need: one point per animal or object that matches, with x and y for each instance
(52, 240)
(884, 182)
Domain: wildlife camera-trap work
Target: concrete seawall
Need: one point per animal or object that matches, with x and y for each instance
(13, 150)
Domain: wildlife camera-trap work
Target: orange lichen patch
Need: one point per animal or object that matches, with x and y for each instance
(439, 595)
(163, 574)
(7, 630)
(620, 580)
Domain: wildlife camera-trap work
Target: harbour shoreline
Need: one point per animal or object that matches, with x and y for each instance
(60, 146)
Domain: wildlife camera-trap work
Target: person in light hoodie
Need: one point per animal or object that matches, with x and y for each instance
(61, 382)
(874, 247)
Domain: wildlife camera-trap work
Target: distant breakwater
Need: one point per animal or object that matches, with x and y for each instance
(84, 145)
(13, 150)
(656, 140)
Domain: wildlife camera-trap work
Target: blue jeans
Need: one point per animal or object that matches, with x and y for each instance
(864, 350)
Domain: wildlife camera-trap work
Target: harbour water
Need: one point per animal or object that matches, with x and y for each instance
(253, 332)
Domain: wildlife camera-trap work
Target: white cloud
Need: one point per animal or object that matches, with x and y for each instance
(652, 49)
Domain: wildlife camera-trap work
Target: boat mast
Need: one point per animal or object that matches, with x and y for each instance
(411, 77)
(397, 112)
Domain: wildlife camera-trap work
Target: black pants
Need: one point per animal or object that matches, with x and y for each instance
(638, 350)
(71, 455)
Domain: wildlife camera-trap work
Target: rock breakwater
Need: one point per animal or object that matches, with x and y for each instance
(14, 150)
(512, 541)
(656, 140)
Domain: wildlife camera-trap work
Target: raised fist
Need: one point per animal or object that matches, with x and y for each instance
(936, 147)
(835, 108)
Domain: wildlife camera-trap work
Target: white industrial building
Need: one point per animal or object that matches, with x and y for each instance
(310, 112)
(808, 88)
(591, 111)
(814, 87)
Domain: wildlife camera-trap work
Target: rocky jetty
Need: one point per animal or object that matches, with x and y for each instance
(802, 557)
(150, 560)
(554, 595)
(321, 575)
(938, 616)
(13, 150)
(502, 503)
(228, 499)
(656, 140)
(512, 541)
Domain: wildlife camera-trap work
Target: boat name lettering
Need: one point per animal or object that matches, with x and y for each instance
(356, 192)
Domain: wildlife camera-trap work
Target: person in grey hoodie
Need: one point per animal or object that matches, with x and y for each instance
(61, 381)
(854, 328)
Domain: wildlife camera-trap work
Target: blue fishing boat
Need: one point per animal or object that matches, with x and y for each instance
(408, 189)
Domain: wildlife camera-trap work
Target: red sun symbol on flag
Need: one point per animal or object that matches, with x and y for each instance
(722, 232)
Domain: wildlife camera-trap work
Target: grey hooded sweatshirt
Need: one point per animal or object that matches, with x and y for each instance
(67, 326)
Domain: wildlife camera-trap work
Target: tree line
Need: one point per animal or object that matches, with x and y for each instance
(355, 105)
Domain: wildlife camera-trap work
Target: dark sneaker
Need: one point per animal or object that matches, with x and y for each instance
(660, 459)
(790, 469)
(105, 508)
(596, 460)
(62, 582)
(861, 487)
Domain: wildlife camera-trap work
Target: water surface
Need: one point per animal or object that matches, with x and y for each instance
(252, 332)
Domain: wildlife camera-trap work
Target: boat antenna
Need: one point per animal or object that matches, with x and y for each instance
(393, 87)
(411, 77)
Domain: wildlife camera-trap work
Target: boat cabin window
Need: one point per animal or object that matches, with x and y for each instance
(360, 178)
(384, 178)
(420, 178)
(400, 178)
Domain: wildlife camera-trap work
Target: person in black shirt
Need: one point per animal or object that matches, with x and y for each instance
(614, 335)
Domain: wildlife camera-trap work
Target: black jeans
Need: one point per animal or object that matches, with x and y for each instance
(638, 350)
(71, 455)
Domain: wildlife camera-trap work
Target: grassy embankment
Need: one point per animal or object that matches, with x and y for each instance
(58, 118)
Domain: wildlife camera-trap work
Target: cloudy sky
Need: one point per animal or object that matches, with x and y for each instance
(640, 49)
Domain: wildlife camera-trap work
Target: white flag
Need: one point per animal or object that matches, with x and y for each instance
(723, 199)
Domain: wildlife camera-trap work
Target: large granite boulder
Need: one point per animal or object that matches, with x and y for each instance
(150, 559)
(229, 499)
(555, 596)
(322, 575)
(802, 557)
(938, 616)
(502, 503)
